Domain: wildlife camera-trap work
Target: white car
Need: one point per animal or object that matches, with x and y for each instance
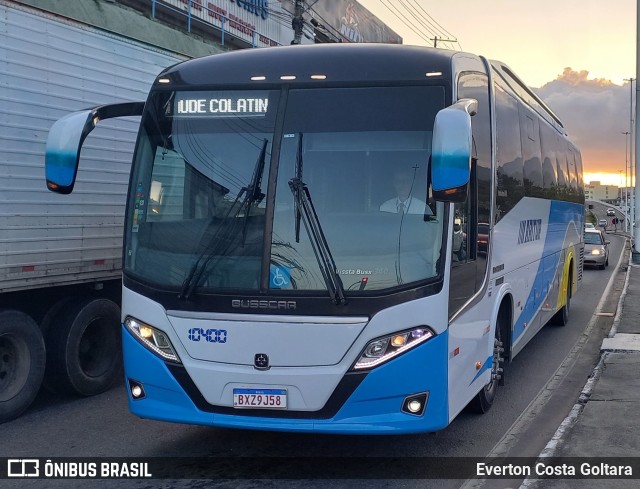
(611, 212)
(589, 225)
(596, 249)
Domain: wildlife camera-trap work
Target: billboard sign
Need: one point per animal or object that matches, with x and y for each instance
(268, 22)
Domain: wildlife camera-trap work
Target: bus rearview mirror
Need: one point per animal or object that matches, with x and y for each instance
(451, 151)
(65, 139)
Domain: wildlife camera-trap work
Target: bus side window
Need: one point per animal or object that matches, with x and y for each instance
(460, 245)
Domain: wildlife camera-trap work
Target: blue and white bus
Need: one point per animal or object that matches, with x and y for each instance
(337, 238)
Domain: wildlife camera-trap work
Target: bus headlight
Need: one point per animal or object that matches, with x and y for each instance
(383, 349)
(154, 339)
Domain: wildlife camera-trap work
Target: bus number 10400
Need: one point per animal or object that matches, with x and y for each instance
(208, 335)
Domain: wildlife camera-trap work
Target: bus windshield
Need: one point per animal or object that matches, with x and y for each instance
(201, 210)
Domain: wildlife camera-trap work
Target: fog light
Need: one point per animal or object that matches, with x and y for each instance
(415, 404)
(136, 389)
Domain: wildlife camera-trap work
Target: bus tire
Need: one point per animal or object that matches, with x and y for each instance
(484, 399)
(561, 318)
(85, 348)
(22, 363)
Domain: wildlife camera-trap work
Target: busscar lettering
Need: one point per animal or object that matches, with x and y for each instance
(263, 304)
(530, 230)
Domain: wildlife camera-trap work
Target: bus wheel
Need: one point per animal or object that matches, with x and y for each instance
(22, 361)
(484, 399)
(85, 348)
(561, 318)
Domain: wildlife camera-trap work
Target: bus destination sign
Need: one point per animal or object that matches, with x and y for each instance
(221, 105)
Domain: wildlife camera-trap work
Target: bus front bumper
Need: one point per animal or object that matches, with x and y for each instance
(374, 406)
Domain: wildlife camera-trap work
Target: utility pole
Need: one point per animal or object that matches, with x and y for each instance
(631, 153)
(436, 39)
(297, 23)
(636, 227)
(626, 190)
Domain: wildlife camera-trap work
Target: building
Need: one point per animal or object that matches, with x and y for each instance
(605, 193)
(201, 27)
(259, 23)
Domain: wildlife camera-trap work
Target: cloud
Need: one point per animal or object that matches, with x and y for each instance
(595, 113)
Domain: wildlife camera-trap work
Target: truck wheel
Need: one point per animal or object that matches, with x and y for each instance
(53, 314)
(84, 348)
(22, 363)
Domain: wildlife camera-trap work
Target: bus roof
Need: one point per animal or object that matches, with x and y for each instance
(336, 62)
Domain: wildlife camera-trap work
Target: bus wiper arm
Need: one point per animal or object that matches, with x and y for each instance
(227, 230)
(299, 177)
(254, 192)
(321, 249)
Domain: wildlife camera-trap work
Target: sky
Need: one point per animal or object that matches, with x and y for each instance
(576, 53)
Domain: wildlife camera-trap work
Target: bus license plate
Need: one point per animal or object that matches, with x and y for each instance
(260, 398)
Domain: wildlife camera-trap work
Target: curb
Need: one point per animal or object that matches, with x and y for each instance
(587, 390)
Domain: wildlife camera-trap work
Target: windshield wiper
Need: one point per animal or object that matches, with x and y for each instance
(299, 177)
(306, 210)
(221, 241)
(254, 192)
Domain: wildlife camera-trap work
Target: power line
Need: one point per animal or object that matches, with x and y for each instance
(327, 26)
(434, 31)
(421, 24)
(411, 11)
(440, 33)
(407, 22)
(446, 32)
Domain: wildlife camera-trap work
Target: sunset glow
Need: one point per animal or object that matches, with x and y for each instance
(616, 179)
(578, 55)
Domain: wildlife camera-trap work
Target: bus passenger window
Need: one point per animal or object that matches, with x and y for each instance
(460, 245)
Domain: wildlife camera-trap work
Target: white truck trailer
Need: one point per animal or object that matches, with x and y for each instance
(60, 256)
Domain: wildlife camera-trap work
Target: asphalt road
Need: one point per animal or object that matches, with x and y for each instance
(542, 384)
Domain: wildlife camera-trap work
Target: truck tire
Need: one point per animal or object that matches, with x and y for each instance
(22, 363)
(52, 315)
(84, 346)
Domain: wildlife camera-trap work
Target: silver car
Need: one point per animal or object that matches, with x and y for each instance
(596, 249)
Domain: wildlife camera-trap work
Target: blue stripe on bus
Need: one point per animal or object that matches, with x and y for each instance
(562, 215)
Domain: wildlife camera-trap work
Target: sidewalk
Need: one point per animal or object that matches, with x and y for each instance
(605, 422)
